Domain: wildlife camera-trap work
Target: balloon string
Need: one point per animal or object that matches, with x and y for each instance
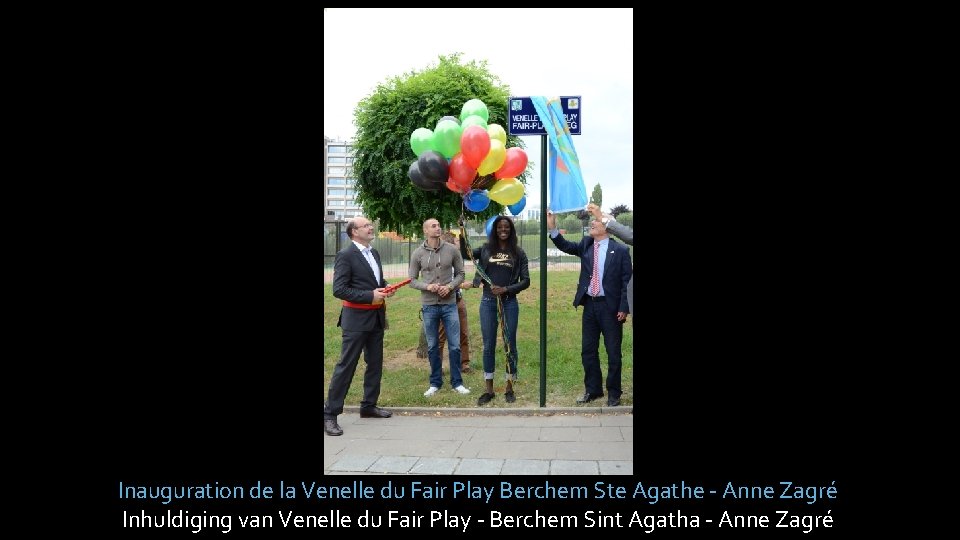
(503, 330)
(466, 244)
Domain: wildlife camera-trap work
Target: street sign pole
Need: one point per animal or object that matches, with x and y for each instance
(543, 270)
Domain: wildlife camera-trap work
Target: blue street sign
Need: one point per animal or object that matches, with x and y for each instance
(522, 117)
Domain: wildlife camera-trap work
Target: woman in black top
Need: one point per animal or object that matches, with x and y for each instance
(506, 266)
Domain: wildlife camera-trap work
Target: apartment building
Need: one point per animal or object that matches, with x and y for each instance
(338, 181)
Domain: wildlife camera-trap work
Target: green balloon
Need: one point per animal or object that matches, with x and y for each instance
(421, 140)
(474, 107)
(446, 138)
(474, 120)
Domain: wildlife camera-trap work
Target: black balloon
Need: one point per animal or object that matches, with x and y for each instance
(484, 182)
(434, 168)
(417, 178)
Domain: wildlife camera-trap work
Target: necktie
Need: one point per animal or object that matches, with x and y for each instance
(595, 280)
(373, 264)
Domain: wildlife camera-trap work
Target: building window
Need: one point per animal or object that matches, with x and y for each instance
(337, 192)
(335, 170)
(349, 192)
(350, 160)
(335, 159)
(351, 181)
(335, 202)
(337, 181)
(336, 149)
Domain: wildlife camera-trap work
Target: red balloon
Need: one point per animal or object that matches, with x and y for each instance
(514, 164)
(461, 173)
(474, 145)
(456, 188)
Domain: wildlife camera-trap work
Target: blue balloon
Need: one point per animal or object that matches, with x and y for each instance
(489, 226)
(518, 206)
(476, 200)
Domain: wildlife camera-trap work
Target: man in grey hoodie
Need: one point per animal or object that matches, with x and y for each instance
(436, 270)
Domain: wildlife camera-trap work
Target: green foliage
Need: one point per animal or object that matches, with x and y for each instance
(386, 119)
(597, 196)
(626, 218)
(527, 226)
(619, 209)
(570, 222)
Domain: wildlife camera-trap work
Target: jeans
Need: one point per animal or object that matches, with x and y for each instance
(490, 327)
(464, 336)
(432, 315)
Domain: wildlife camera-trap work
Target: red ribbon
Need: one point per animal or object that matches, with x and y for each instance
(363, 306)
(381, 305)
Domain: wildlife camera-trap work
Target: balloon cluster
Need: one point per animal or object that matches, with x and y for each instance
(470, 158)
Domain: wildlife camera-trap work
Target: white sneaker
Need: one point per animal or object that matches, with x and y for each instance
(431, 391)
(462, 389)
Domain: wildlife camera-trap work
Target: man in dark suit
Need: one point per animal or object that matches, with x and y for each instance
(605, 270)
(358, 281)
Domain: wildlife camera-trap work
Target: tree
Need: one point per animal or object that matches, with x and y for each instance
(386, 119)
(571, 223)
(527, 226)
(597, 196)
(619, 209)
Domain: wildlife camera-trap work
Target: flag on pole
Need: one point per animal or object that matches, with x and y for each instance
(566, 187)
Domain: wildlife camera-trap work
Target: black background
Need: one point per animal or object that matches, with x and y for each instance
(206, 253)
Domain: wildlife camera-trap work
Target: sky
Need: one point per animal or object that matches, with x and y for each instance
(536, 52)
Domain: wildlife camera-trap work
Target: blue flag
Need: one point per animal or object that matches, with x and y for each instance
(567, 191)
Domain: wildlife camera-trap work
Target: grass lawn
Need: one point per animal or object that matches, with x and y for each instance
(406, 377)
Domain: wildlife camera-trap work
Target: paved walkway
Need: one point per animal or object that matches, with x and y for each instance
(577, 440)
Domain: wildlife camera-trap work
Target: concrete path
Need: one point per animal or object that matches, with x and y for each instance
(576, 440)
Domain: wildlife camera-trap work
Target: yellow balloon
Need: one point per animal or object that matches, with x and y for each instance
(506, 191)
(496, 132)
(495, 158)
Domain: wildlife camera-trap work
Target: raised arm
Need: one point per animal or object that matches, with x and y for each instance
(562, 243)
(621, 231)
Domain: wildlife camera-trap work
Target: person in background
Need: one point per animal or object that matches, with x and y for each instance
(436, 270)
(622, 232)
(505, 263)
(451, 238)
(358, 281)
(605, 269)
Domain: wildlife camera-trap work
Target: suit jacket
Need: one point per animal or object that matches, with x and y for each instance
(617, 270)
(354, 281)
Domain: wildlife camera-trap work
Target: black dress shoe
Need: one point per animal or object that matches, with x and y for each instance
(588, 397)
(332, 428)
(613, 402)
(375, 412)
